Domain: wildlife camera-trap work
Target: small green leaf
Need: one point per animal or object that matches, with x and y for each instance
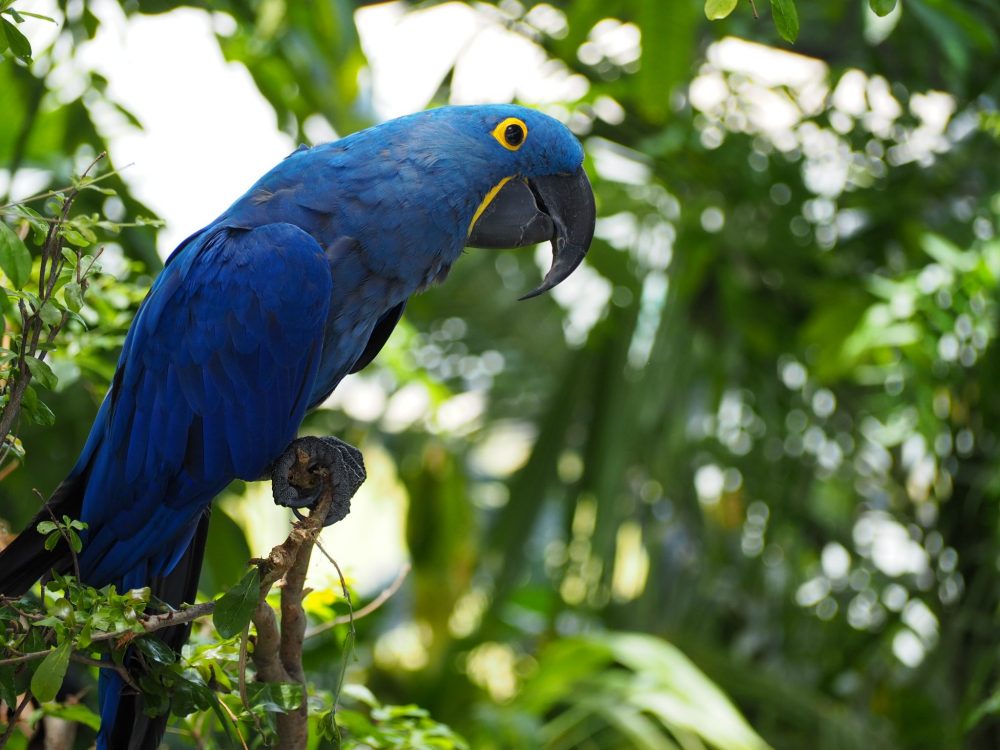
(18, 42)
(786, 19)
(39, 16)
(276, 697)
(15, 260)
(716, 9)
(73, 294)
(8, 693)
(50, 313)
(39, 227)
(156, 650)
(234, 609)
(882, 7)
(36, 409)
(74, 237)
(48, 678)
(41, 372)
(46, 527)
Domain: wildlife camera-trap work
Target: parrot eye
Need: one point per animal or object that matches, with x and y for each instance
(511, 133)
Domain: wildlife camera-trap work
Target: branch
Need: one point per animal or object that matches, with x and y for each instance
(150, 624)
(32, 324)
(12, 718)
(278, 655)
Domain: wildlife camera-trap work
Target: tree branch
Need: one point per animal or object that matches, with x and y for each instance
(278, 654)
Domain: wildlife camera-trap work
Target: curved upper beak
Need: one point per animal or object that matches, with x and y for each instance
(559, 208)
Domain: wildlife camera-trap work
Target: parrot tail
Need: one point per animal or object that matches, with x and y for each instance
(124, 723)
(25, 560)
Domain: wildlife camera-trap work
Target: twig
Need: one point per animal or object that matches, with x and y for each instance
(32, 325)
(12, 719)
(753, 7)
(53, 193)
(6, 470)
(244, 640)
(105, 664)
(63, 532)
(351, 636)
(244, 697)
(150, 624)
(387, 593)
(32, 656)
(236, 724)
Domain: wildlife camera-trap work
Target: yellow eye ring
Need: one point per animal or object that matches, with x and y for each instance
(511, 133)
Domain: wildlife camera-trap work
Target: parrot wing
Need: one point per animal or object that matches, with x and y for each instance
(380, 334)
(212, 384)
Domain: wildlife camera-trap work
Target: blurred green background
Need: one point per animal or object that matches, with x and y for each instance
(758, 425)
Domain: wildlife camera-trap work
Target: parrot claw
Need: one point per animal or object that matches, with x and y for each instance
(293, 490)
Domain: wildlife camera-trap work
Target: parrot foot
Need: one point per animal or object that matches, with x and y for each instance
(294, 488)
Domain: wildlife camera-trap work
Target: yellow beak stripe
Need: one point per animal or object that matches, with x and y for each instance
(487, 201)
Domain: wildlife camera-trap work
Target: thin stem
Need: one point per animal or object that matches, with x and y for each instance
(372, 606)
(12, 719)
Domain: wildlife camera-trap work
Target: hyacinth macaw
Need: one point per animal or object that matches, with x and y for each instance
(257, 317)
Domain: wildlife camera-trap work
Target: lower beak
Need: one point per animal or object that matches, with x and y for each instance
(556, 208)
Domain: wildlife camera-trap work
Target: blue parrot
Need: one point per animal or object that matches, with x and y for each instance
(258, 316)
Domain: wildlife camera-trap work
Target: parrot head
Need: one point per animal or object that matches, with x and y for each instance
(541, 192)
(487, 176)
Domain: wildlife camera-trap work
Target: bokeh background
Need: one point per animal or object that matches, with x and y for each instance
(758, 426)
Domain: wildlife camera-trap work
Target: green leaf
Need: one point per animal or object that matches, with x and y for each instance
(48, 678)
(74, 237)
(50, 314)
(39, 16)
(15, 260)
(276, 697)
(882, 7)
(156, 650)
(41, 372)
(39, 227)
(76, 712)
(8, 693)
(234, 609)
(716, 9)
(17, 41)
(35, 408)
(73, 294)
(786, 19)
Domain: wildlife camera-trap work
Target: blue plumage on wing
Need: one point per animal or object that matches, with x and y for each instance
(194, 406)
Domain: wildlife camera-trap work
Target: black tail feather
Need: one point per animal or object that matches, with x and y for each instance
(25, 560)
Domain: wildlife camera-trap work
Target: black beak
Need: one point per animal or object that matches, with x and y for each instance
(559, 208)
